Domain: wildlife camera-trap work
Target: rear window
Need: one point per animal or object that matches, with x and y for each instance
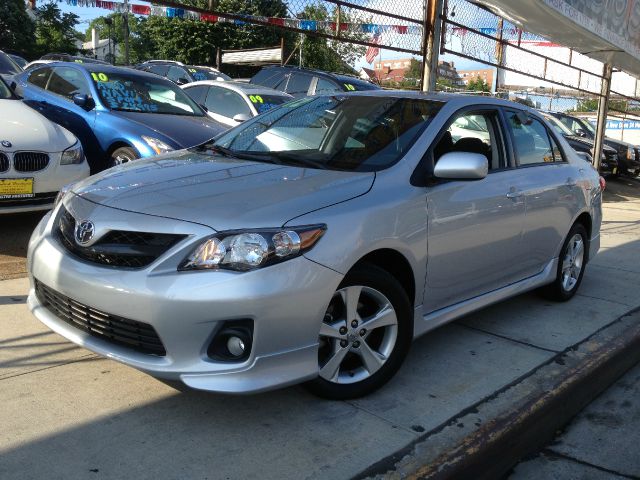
(269, 77)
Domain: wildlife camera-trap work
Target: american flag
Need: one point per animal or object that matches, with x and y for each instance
(372, 52)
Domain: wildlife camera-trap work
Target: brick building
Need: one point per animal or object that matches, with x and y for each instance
(485, 74)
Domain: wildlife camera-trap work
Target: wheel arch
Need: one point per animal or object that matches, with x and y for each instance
(584, 219)
(396, 264)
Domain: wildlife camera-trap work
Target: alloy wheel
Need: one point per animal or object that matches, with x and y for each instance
(357, 336)
(572, 262)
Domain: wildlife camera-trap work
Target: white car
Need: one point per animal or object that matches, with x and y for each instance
(232, 103)
(37, 157)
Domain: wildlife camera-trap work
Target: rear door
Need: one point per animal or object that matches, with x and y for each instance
(475, 226)
(548, 184)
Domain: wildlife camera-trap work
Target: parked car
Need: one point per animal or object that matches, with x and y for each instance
(232, 103)
(608, 158)
(302, 82)
(628, 154)
(119, 114)
(37, 157)
(65, 57)
(314, 242)
(38, 63)
(180, 73)
(18, 60)
(8, 68)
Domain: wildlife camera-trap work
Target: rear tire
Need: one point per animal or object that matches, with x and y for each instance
(571, 265)
(365, 335)
(123, 155)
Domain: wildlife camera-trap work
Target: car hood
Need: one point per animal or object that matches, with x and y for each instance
(220, 192)
(185, 131)
(26, 129)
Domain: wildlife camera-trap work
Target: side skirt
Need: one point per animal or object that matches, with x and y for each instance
(433, 320)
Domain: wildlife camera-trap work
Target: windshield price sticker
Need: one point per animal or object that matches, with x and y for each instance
(256, 99)
(99, 77)
(117, 96)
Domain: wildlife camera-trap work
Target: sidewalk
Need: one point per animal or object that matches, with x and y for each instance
(600, 443)
(67, 413)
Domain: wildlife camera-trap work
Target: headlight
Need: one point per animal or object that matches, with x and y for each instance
(63, 191)
(72, 155)
(156, 145)
(252, 249)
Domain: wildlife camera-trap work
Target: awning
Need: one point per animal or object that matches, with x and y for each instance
(606, 31)
(260, 56)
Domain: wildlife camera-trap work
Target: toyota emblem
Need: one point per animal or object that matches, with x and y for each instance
(84, 232)
(6, 143)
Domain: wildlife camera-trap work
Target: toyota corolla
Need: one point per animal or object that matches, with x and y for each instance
(314, 242)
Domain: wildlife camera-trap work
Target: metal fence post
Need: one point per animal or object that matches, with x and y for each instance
(431, 43)
(603, 107)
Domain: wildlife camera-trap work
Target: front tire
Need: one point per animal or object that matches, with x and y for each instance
(365, 335)
(122, 155)
(571, 265)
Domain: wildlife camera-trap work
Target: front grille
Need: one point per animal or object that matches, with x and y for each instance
(37, 200)
(4, 162)
(138, 336)
(118, 248)
(30, 161)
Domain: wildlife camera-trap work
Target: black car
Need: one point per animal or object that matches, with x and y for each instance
(180, 73)
(609, 157)
(628, 154)
(65, 57)
(301, 82)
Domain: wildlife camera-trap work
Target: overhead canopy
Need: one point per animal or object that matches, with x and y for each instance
(606, 31)
(258, 56)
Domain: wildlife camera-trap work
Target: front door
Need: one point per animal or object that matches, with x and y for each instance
(475, 227)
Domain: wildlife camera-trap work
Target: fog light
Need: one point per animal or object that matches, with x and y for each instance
(235, 345)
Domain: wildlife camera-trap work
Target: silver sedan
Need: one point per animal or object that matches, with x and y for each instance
(314, 242)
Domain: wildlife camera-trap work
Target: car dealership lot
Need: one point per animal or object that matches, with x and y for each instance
(68, 413)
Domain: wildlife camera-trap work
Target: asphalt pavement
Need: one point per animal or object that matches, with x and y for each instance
(67, 413)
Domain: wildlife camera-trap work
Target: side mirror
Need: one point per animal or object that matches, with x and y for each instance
(13, 86)
(241, 117)
(182, 81)
(462, 166)
(83, 101)
(580, 132)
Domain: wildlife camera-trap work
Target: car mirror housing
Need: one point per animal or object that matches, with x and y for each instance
(83, 101)
(462, 166)
(241, 117)
(580, 132)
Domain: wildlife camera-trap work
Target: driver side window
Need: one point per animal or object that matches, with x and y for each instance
(473, 132)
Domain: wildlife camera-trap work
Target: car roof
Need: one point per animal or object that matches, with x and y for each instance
(242, 87)
(337, 76)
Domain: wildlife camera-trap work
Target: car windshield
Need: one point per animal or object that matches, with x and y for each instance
(199, 73)
(588, 125)
(558, 126)
(351, 133)
(5, 91)
(265, 102)
(129, 92)
(8, 66)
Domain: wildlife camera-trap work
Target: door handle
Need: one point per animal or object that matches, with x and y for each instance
(515, 194)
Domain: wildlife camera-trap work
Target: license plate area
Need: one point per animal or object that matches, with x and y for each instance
(16, 188)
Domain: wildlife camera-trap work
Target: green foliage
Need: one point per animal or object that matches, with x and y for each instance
(478, 85)
(55, 31)
(325, 54)
(17, 30)
(591, 105)
(414, 72)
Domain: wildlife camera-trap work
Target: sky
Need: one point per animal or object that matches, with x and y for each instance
(87, 14)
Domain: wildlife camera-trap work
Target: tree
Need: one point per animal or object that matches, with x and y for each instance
(478, 85)
(139, 44)
(55, 31)
(17, 31)
(326, 54)
(591, 105)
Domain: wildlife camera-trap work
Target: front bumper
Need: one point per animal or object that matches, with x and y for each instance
(46, 184)
(286, 302)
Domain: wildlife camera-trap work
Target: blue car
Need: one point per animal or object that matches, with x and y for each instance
(119, 114)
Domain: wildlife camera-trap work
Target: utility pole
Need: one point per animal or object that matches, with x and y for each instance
(125, 17)
(431, 30)
(603, 108)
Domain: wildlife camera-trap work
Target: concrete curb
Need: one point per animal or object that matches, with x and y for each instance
(486, 440)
